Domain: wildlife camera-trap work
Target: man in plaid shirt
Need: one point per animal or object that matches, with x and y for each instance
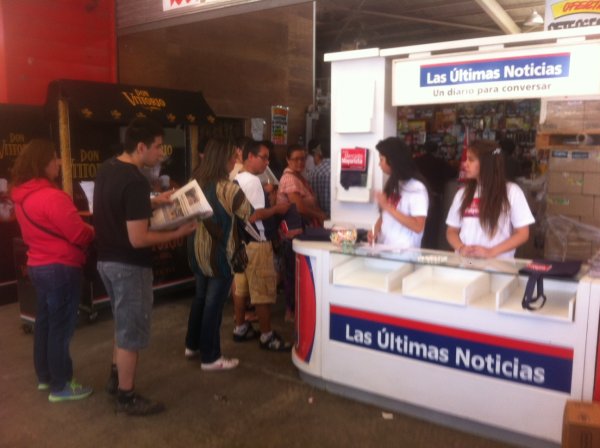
(319, 178)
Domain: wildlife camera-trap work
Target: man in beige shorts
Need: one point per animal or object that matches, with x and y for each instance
(259, 281)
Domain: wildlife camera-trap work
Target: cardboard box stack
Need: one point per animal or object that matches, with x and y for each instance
(581, 425)
(571, 138)
(563, 115)
(571, 115)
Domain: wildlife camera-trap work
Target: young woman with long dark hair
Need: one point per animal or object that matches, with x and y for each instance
(489, 217)
(404, 200)
(210, 250)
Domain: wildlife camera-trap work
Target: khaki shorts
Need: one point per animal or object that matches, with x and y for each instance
(259, 281)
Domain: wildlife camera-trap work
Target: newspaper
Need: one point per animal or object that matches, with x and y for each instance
(88, 189)
(267, 177)
(187, 202)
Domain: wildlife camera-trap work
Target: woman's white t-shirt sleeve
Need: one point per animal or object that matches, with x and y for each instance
(414, 201)
(454, 219)
(520, 214)
(419, 203)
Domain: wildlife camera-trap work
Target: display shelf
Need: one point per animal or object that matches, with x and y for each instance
(556, 131)
(582, 139)
(570, 147)
(560, 300)
(371, 273)
(447, 285)
(497, 284)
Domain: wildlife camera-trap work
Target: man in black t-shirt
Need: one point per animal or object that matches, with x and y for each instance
(122, 208)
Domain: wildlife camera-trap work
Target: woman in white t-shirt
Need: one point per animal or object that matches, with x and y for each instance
(404, 200)
(489, 217)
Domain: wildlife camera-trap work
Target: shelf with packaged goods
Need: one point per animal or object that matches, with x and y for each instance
(570, 147)
(565, 131)
(565, 138)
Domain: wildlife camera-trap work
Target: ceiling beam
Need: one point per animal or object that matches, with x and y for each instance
(349, 20)
(499, 16)
(420, 20)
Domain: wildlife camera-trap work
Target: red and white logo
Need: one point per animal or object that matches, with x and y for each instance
(173, 4)
(354, 159)
(538, 267)
(472, 211)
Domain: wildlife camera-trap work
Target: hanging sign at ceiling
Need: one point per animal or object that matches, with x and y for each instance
(564, 14)
(174, 4)
(514, 74)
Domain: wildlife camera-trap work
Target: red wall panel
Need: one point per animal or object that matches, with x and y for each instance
(43, 40)
(3, 98)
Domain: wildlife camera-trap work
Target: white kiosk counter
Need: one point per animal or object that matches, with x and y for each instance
(445, 338)
(430, 333)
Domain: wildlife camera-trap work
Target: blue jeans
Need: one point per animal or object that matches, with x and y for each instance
(206, 314)
(58, 290)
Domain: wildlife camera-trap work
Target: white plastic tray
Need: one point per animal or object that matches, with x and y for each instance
(560, 303)
(447, 285)
(371, 273)
(489, 300)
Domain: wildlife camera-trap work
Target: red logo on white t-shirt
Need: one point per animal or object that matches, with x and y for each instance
(394, 200)
(472, 211)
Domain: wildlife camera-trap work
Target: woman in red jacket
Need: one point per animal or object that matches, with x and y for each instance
(56, 237)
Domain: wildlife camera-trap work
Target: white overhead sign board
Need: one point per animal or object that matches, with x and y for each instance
(563, 70)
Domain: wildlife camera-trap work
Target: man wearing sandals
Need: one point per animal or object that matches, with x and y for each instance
(259, 281)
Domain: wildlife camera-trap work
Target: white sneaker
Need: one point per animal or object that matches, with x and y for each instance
(189, 353)
(221, 364)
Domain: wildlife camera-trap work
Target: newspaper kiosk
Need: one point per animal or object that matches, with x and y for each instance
(387, 327)
(87, 122)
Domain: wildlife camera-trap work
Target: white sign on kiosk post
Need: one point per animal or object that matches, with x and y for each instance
(354, 179)
(506, 74)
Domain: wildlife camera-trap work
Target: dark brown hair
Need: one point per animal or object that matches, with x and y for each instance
(400, 161)
(493, 199)
(32, 161)
(217, 153)
(141, 130)
(293, 148)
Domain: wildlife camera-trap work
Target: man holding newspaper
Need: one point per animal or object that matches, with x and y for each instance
(259, 281)
(122, 208)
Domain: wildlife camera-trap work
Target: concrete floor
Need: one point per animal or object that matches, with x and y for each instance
(262, 403)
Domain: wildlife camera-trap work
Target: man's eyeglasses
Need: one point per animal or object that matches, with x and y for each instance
(265, 158)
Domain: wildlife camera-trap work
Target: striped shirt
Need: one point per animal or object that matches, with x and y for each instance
(214, 242)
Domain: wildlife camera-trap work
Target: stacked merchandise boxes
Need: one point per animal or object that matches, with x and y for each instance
(569, 140)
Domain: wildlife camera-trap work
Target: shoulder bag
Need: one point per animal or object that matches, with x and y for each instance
(239, 259)
(534, 297)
